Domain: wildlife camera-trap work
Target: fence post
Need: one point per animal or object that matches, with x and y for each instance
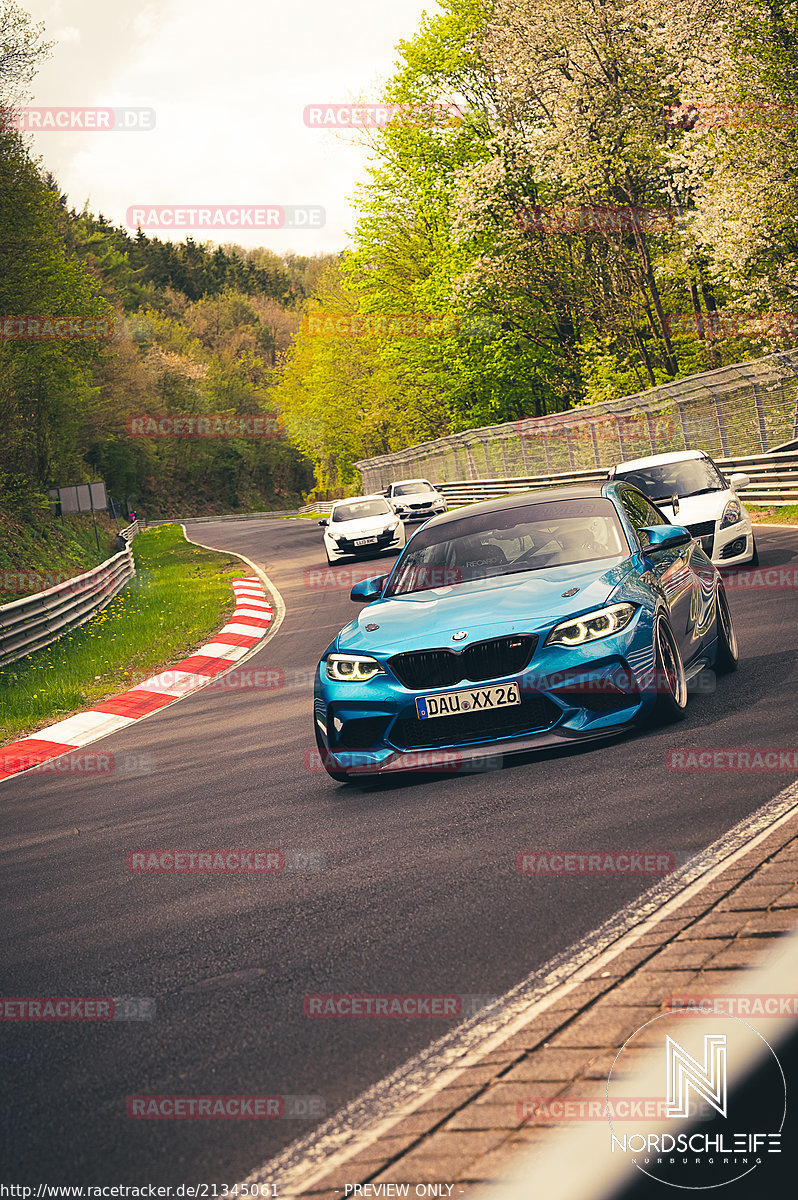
(760, 412)
(721, 416)
(651, 430)
(619, 427)
(685, 434)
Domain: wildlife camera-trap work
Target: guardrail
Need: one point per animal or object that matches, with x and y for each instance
(126, 535)
(774, 480)
(323, 506)
(38, 620)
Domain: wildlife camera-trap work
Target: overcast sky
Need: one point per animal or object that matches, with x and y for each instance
(228, 83)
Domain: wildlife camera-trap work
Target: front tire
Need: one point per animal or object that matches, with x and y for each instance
(671, 685)
(755, 556)
(727, 656)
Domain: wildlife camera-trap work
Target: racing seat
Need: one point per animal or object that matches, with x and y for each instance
(473, 554)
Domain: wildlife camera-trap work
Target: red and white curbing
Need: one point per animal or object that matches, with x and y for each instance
(248, 625)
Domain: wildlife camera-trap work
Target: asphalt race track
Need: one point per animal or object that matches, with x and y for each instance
(403, 887)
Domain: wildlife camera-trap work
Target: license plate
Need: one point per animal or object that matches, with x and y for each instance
(365, 541)
(472, 700)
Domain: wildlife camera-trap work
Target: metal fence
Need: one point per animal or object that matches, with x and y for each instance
(774, 480)
(38, 620)
(746, 409)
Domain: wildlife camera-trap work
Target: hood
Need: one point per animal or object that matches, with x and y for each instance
(359, 525)
(694, 509)
(526, 602)
(415, 497)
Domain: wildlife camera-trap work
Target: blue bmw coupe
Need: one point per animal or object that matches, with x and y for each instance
(547, 618)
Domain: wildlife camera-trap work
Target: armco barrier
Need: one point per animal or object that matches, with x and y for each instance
(126, 535)
(323, 507)
(40, 619)
(774, 480)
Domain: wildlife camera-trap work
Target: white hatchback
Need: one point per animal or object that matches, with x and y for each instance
(689, 489)
(361, 526)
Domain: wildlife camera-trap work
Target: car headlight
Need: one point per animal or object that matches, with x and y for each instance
(591, 626)
(352, 668)
(732, 514)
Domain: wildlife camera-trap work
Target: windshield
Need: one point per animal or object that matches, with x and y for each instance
(355, 510)
(692, 477)
(528, 537)
(411, 488)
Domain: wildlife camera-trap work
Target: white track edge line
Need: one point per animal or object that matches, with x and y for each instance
(393, 1098)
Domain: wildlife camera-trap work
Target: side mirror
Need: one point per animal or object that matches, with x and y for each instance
(739, 480)
(367, 589)
(324, 522)
(661, 537)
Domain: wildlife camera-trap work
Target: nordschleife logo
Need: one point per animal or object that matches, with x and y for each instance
(707, 1080)
(707, 1105)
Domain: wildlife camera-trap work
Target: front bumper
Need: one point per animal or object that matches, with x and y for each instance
(462, 759)
(383, 545)
(733, 546)
(423, 514)
(373, 728)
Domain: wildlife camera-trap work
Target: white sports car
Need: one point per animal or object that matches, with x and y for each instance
(360, 527)
(690, 490)
(415, 499)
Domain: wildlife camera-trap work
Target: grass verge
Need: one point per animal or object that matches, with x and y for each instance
(782, 514)
(180, 596)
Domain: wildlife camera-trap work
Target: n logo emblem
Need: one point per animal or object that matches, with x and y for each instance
(707, 1080)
